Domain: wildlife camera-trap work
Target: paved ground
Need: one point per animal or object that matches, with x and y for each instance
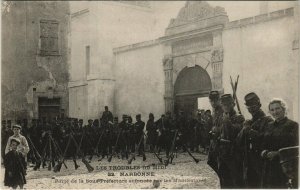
(184, 173)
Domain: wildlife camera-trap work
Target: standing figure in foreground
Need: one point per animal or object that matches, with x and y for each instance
(250, 139)
(212, 161)
(281, 133)
(230, 157)
(15, 166)
(23, 147)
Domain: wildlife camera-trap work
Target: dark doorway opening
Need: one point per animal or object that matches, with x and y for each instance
(49, 108)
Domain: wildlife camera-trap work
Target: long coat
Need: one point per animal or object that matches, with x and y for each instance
(279, 134)
(15, 163)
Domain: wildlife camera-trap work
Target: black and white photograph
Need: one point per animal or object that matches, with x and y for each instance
(149, 94)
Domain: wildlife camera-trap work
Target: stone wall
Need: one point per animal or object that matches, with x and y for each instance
(27, 72)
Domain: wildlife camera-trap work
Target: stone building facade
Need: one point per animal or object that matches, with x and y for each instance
(199, 51)
(35, 53)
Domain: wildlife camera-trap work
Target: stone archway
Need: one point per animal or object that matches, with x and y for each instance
(193, 44)
(191, 83)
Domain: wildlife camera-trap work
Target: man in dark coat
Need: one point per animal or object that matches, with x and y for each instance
(250, 139)
(107, 115)
(151, 132)
(15, 166)
(139, 126)
(230, 158)
(214, 99)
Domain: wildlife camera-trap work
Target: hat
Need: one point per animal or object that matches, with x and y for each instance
(17, 126)
(226, 98)
(15, 140)
(138, 115)
(214, 95)
(289, 153)
(252, 99)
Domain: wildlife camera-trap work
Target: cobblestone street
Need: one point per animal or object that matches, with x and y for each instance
(184, 173)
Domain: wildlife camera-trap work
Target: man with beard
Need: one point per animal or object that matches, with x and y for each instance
(250, 139)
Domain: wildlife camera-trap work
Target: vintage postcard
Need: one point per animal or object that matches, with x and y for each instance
(149, 94)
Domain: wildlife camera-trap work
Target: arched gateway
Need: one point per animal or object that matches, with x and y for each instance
(193, 52)
(191, 83)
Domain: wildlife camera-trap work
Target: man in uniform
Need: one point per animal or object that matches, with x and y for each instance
(249, 139)
(230, 158)
(214, 99)
(139, 126)
(107, 115)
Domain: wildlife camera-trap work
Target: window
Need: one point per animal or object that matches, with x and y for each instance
(87, 59)
(49, 37)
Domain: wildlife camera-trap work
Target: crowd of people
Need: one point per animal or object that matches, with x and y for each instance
(257, 153)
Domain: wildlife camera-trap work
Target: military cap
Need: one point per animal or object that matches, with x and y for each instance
(17, 126)
(138, 115)
(15, 140)
(252, 99)
(214, 95)
(226, 98)
(289, 153)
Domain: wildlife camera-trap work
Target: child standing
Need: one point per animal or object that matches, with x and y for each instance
(15, 166)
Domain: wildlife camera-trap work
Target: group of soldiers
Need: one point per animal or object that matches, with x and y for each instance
(242, 152)
(250, 153)
(107, 136)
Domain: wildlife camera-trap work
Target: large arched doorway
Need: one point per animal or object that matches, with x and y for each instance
(191, 83)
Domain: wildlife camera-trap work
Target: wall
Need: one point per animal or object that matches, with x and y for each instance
(140, 81)
(262, 55)
(23, 68)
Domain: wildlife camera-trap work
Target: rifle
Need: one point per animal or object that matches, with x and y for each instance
(137, 149)
(58, 150)
(88, 166)
(50, 154)
(157, 156)
(58, 166)
(97, 145)
(116, 144)
(234, 89)
(172, 149)
(195, 159)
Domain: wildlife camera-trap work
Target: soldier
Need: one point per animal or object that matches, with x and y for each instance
(181, 122)
(107, 115)
(123, 139)
(151, 132)
(250, 138)
(139, 126)
(214, 99)
(230, 158)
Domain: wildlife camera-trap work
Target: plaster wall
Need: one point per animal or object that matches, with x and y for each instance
(140, 82)
(262, 55)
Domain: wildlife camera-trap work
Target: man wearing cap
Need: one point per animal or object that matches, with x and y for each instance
(107, 115)
(140, 125)
(214, 99)
(250, 139)
(230, 158)
(23, 146)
